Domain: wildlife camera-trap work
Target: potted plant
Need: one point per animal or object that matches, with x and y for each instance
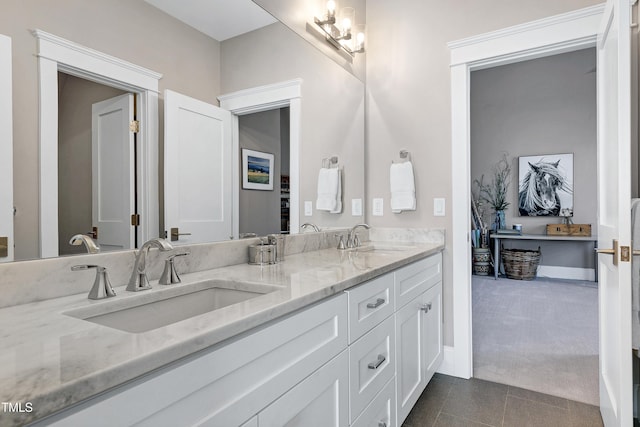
(495, 193)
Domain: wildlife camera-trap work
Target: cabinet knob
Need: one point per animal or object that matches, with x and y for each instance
(426, 307)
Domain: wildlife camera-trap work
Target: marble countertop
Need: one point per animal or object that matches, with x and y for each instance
(53, 360)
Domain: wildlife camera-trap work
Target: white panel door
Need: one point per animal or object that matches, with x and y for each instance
(113, 172)
(197, 170)
(6, 149)
(614, 221)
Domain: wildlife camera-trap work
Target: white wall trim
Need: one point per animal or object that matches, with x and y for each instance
(6, 146)
(57, 54)
(447, 367)
(549, 36)
(263, 98)
(571, 273)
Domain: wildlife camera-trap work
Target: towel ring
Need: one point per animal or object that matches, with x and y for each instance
(328, 162)
(405, 156)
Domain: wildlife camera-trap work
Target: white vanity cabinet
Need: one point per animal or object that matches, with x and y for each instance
(395, 341)
(229, 385)
(419, 345)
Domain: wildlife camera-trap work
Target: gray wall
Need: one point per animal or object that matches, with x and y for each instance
(75, 98)
(542, 106)
(409, 98)
(128, 29)
(260, 210)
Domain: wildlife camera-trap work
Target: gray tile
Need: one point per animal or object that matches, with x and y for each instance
(528, 413)
(446, 420)
(539, 397)
(477, 400)
(583, 415)
(428, 406)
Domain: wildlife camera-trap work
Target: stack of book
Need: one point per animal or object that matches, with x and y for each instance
(508, 231)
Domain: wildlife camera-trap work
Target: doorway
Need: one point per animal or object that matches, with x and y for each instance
(542, 334)
(77, 187)
(266, 132)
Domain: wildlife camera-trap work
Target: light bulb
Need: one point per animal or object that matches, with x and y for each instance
(331, 7)
(346, 25)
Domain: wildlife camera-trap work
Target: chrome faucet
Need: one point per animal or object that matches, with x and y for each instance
(101, 285)
(353, 241)
(139, 280)
(311, 225)
(91, 246)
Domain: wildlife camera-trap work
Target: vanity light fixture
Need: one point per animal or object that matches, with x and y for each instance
(340, 32)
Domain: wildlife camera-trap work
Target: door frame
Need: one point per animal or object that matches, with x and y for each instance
(6, 146)
(264, 98)
(549, 36)
(57, 54)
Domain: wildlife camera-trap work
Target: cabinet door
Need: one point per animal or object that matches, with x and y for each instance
(253, 422)
(410, 380)
(433, 345)
(321, 400)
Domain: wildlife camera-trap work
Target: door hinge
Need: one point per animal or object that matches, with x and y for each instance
(135, 220)
(134, 126)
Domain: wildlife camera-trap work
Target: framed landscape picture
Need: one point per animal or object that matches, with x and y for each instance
(546, 185)
(257, 170)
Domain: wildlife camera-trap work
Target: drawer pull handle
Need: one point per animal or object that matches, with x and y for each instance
(376, 304)
(377, 363)
(382, 424)
(426, 307)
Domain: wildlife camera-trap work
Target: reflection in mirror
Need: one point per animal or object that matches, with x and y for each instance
(331, 118)
(92, 131)
(266, 212)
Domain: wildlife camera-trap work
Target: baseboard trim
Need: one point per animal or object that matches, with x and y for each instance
(573, 273)
(448, 362)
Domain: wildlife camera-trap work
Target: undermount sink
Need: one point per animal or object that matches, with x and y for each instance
(161, 307)
(383, 247)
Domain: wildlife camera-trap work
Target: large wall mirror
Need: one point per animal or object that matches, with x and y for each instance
(201, 66)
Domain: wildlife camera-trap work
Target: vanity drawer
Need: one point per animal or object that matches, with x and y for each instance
(372, 364)
(414, 279)
(381, 412)
(369, 304)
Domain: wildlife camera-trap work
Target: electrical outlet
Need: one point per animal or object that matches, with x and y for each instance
(308, 208)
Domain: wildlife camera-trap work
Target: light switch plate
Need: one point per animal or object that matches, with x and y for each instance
(356, 207)
(438, 207)
(308, 208)
(378, 207)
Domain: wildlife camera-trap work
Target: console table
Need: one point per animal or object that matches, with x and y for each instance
(497, 237)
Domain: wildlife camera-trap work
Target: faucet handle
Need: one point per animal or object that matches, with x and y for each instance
(101, 285)
(169, 274)
(341, 245)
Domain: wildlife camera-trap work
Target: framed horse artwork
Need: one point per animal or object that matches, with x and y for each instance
(545, 185)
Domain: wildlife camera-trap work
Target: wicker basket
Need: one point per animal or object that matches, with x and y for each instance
(520, 264)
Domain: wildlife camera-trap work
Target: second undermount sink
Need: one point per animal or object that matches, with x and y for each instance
(383, 247)
(161, 307)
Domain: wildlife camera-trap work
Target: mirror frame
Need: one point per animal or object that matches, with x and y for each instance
(57, 54)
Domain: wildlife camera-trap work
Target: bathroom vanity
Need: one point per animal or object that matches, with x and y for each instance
(338, 337)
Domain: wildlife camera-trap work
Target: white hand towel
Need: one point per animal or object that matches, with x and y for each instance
(403, 188)
(327, 189)
(338, 208)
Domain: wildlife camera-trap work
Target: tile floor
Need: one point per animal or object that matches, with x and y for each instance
(449, 402)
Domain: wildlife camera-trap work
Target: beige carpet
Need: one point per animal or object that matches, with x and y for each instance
(539, 335)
